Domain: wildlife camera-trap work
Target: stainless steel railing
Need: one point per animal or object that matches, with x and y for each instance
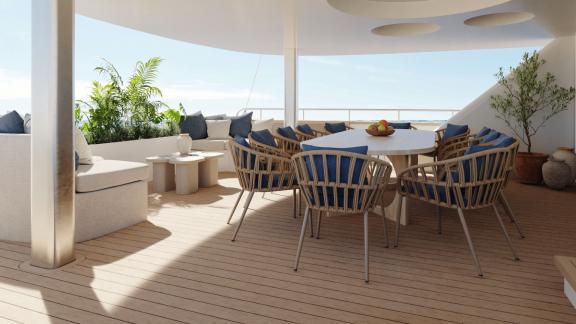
(350, 113)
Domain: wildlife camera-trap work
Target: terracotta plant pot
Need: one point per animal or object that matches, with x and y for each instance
(528, 167)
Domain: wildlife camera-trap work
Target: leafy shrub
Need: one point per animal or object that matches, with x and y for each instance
(122, 111)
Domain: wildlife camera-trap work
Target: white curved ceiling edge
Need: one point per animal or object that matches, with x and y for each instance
(256, 26)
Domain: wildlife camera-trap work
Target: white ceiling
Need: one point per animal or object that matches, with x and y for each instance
(258, 26)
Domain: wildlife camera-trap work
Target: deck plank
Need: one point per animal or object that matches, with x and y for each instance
(181, 267)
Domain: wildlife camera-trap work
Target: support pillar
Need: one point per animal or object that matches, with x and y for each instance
(290, 64)
(53, 173)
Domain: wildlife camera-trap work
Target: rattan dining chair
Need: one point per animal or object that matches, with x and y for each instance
(471, 181)
(259, 172)
(305, 132)
(340, 182)
(287, 140)
(445, 146)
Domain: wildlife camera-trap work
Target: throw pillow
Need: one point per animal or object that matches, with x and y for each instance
(216, 117)
(82, 148)
(218, 129)
(11, 123)
(194, 125)
(335, 127)
(241, 126)
(258, 125)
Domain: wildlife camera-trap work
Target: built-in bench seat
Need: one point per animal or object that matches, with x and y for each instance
(567, 266)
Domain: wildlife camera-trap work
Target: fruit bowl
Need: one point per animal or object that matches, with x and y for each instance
(380, 128)
(374, 132)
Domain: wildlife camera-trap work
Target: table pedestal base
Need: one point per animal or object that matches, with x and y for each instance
(208, 173)
(186, 176)
(400, 163)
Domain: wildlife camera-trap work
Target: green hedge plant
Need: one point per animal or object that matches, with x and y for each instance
(119, 110)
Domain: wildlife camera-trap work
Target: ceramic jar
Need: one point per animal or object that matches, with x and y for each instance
(557, 174)
(567, 155)
(184, 144)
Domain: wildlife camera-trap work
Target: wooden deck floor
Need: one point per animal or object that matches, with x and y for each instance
(181, 267)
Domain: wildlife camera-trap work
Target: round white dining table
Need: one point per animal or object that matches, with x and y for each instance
(401, 148)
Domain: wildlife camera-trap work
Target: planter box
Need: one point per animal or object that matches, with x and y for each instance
(135, 151)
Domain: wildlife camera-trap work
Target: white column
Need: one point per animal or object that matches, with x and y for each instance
(290, 86)
(52, 136)
(290, 64)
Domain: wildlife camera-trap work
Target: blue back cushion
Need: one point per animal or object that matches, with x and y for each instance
(241, 126)
(305, 128)
(453, 130)
(244, 163)
(194, 125)
(335, 127)
(331, 162)
(502, 142)
(12, 123)
(483, 132)
(400, 125)
(287, 132)
(264, 137)
(491, 136)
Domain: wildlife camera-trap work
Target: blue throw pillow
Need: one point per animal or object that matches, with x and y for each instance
(493, 135)
(264, 137)
(241, 126)
(12, 123)
(483, 132)
(453, 130)
(400, 125)
(194, 125)
(331, 162)
(287, 132)
(335, 127)
(306, 129)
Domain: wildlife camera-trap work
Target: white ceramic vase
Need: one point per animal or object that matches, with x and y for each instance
(567, 155)
(557, 174)
(184, 144)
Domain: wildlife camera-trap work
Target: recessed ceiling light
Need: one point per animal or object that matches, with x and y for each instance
(407, 29)
(499, 19)
(410, 9)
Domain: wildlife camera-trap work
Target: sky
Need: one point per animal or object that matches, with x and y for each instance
(220, 81)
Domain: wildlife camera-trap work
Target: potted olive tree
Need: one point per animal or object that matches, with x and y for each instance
(528, 101)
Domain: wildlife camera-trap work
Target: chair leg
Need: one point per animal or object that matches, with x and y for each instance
(505, 232)
(246, 205)
(299, 202)
(366, 249)
(301, 242)
(319, 221)
(470, 243)
(385, 222)
(235, 205)
(439, 214)
(311, 224)
(294, 203)
(398, 215)
(510, 213)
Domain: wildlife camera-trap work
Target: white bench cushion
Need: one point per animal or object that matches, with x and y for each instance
(109, 173)
(210, 144)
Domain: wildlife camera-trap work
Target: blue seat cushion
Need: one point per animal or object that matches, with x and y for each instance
(287, 132)
(400, 125)
(335, 127)
(12, 123)
(453, 130)
(275, 181)
(241, 125)
(443, 197)
(264, 137)
(331, 162)
(483, 132)
(491, 136)
(194, 125)
(306, 129)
